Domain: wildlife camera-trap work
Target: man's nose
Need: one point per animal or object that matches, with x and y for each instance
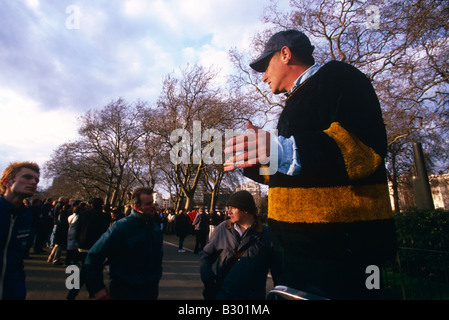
(264, 78)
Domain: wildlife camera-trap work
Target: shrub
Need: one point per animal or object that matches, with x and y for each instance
(423, 238)
(423, 229)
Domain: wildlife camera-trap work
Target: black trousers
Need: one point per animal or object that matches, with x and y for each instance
(201, 240)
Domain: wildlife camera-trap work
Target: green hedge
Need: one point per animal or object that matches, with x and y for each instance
(421, 229)
(423, 240)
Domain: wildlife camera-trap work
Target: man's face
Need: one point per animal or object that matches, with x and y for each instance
(146, 205)
(236, 215)
(24, 183)
(275, 73)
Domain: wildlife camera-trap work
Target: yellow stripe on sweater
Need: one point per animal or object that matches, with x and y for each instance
(360, 160)
(329, 205)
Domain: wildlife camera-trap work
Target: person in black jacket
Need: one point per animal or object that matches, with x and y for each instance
(91, 225)
(45, 225)
(60, 236)
(182, 228)
(328, 200)
(201, 226)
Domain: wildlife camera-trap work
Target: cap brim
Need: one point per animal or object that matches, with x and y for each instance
(261, 63)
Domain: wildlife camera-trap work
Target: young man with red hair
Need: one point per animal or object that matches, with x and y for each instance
(18, 182)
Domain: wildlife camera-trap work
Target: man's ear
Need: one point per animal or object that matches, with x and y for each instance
(286, 54)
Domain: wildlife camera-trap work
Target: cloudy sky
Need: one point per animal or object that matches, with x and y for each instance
(60, 58)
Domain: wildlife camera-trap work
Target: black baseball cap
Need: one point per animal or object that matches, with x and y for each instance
(242, 200)
(293, 39)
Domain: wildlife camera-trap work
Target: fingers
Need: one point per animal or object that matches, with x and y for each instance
(247, 150)
(228, 166)
(246, 159)
(250, 156)
(249, 125)
(240, 143)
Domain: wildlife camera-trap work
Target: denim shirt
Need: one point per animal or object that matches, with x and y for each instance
(288, 156)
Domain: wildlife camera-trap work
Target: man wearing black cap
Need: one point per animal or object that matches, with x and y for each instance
(244, 253)
(292, 49)
(328, 201)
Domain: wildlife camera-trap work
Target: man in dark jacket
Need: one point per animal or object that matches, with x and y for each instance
(91, 225)
(18, 182)
(133, 248)
(201, 225)
(182, 228)
(243, 252)
(328, 200)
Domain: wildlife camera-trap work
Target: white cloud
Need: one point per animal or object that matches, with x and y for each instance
(165, 12)
(51, 74)
(30, 133)
(195, 11)
(210, 57)
(93, 25)
(135, 7)
(34, 4)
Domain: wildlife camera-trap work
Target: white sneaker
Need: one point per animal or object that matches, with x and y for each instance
(181, 251)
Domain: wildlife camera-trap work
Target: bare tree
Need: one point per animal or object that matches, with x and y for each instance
(183, 101)
(75, 173)
(101, 159)
(113, 134)
(191, 117)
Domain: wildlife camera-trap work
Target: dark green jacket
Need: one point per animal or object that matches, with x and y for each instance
(133, 248)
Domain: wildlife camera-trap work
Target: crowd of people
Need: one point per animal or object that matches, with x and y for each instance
(74, 226)
(129, 241)
(57, 226)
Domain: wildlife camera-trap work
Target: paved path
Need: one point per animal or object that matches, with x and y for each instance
(180, 279)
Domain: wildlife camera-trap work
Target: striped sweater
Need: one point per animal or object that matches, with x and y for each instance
(338, 205)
